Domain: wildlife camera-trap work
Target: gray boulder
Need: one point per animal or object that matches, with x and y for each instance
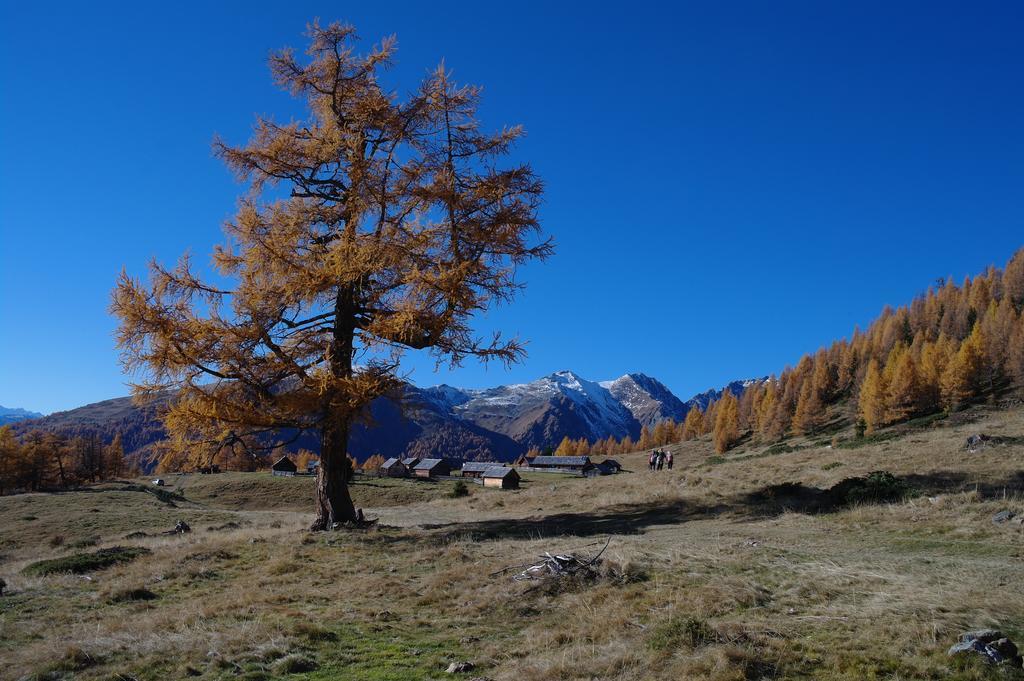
(990, 644)
(460, 667)
(1003, 517)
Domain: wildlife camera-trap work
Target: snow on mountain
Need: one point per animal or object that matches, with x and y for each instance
(562, 404)
(646, 398)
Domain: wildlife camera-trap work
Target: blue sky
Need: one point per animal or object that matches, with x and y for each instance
(730, 184)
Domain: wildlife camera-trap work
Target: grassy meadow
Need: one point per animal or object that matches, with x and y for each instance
(714, 570)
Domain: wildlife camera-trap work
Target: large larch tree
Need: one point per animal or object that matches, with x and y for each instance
(376, 225)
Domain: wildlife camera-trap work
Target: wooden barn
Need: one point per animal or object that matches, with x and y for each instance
(393, 468)
(284, 466)
(570, 464)
(430, 468)
(411, 461)
(606, 467)
(501, 477)
(523, 460)
(611, 465)
(475, 469)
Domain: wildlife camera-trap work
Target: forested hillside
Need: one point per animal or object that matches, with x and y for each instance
(952, 345)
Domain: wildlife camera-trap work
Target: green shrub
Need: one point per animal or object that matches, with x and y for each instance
(679, 631)
(459, 490)
(78, 563)
(314, 633)
(294, 664)
(875, 487)
(133, 594)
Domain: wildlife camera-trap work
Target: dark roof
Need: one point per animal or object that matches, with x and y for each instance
(411, 460)
(500, 472)
(428, 464)
(561, 460)
(390, 462)
(476, 466)
(284, 464)
(611, 463)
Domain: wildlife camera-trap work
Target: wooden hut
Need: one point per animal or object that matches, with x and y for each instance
(411, 461)
(569, 464)
(606, 467)
(475, 469)
(394, 468)
(312, 467)
(430, 468)
(284, 466)
(523, 460)
(501, 477)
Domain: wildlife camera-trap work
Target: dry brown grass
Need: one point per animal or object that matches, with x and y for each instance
(722, 584)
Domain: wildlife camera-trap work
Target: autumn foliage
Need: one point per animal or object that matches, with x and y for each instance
(952, 345)
(377, 223)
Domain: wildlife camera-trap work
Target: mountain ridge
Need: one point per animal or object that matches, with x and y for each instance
(497, 423)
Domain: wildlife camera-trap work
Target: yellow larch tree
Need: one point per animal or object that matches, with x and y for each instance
(373, 225)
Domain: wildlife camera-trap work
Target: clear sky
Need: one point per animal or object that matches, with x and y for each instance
(730, 184)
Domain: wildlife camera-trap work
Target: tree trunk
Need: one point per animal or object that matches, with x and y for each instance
(333, 502)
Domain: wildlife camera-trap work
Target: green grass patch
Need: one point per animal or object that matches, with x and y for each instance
(679, 631)
(79, 563)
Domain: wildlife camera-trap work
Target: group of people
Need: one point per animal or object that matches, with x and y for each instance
(660, 459)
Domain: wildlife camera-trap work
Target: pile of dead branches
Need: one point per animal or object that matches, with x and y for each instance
(559, 565)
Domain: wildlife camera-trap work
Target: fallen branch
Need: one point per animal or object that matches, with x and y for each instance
(558, 565)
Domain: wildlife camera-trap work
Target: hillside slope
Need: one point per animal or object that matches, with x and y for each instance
(722, 569)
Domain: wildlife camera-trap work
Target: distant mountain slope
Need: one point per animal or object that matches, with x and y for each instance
(647, 399)
(544, 411)
(139, 426)
(737, 388)
(14, 414)
(493, 424)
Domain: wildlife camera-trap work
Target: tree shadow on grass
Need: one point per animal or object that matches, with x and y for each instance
(767, 502)
(619, 519)
(947, 482)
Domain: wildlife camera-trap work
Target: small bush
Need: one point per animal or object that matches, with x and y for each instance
(56, 541)
(294, 664)
(459, 490)
(133, 594)
(832, 466)
(85, 543)
(678, 631)
(875, 487)
(79, 563)
(314, 633)
(715, 460)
